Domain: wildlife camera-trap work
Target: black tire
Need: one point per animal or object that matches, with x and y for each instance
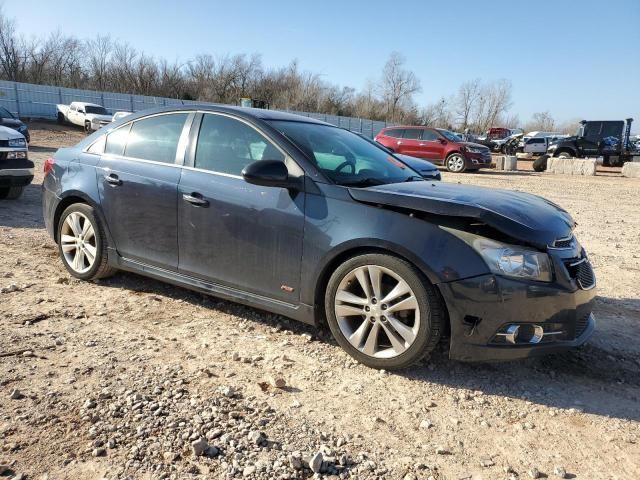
(540, 163)
(60, 118)
(432, 312)
(10, 193)
(564, 154)
(100, 267)
(87, 128)
(450, 158)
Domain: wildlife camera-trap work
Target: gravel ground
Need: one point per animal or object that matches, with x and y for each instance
(132, 378)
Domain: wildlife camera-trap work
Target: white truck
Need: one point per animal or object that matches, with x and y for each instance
(83, 114)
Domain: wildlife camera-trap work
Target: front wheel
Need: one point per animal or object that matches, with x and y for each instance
(10, 193)
(382, 311)
(82, 243)
(455, 163)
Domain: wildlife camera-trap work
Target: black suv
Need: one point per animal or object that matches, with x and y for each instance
(7, 119)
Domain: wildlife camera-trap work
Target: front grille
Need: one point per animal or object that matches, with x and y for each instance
(581, 325)
(586, 278)
(581, 271)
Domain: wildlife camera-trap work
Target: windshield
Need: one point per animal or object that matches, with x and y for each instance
(96, 110)
(450, 135)
(4, 113)
(344, 157)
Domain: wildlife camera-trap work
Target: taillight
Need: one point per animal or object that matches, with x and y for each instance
(48, 165)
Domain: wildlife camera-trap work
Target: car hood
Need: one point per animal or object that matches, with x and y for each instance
(11, 123)
(522, 216)
(475, 145)
(9, 133)
(418, 164)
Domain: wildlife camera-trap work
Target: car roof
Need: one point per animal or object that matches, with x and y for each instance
(87, 104)
(258, 113)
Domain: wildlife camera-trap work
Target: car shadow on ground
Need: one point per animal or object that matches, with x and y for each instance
(25, 211)
(590, 379)
(37, 149)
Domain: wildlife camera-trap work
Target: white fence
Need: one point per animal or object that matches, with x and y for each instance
(39, 101)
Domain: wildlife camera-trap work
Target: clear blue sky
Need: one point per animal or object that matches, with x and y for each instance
(575, 59)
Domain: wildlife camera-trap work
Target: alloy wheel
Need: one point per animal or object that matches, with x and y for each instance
(78, 242)
(377, 311)
(455, 163)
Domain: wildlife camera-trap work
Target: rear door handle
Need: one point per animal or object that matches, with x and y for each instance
(113, 179)
(195, 199)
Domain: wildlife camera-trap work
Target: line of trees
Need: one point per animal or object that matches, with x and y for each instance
(104, 64)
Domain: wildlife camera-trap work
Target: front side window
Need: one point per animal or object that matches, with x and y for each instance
(429, 135)
(227, 145)
(344, 157)
(155, 138)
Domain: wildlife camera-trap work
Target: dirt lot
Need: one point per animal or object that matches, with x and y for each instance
(120, 377)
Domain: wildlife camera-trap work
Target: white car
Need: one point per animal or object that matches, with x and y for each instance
(83, 114)
(16, 170)
(98, 123)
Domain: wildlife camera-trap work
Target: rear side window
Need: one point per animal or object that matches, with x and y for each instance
(411, 133)
(116, 140)
(156, 138)
(227, 145)
(429, 135)
(395, 133)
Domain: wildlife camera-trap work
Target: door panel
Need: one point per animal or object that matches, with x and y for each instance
(139, 202)
(231, 232)
(431, 147)
(246, 236)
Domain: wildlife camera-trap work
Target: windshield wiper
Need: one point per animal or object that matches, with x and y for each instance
(414, 178)
(364, 182)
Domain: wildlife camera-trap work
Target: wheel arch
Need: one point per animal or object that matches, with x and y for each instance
(70, 198)
(340, 255)
(568, 150)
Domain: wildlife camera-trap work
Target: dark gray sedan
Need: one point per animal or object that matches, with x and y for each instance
(310, 221)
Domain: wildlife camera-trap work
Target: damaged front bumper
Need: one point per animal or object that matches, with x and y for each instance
(497, 318)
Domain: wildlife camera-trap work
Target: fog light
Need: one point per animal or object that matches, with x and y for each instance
(522, 333)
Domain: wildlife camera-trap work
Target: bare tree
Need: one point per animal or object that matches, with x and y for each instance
(542, 121)
(438, 114)
(98, 57)
(13, 55)
(466, 100)
(398, 85)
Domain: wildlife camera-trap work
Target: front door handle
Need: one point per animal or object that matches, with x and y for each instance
(195, 199)
(113, 179)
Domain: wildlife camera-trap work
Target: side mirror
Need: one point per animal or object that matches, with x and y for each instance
(268, 173)
(443, 141)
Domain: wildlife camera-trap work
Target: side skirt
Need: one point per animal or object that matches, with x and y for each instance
(301, 312)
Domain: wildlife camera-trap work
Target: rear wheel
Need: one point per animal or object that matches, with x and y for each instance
(60, 118)
(87, 127)
(383, 311)
(455, 163)
(82, 243)
(10, 193)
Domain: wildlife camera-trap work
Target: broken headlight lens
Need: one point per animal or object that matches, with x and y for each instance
(509, 260)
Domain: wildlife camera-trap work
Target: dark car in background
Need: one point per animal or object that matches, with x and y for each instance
(7, 119)
(436, 145)
(310, 221)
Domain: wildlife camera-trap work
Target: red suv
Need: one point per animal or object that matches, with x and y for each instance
(436, 145)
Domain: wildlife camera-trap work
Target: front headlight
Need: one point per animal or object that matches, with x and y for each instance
(475, 150)
(509, 260)
(17, 142)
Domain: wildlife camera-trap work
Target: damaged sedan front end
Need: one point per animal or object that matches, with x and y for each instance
(537, 293)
